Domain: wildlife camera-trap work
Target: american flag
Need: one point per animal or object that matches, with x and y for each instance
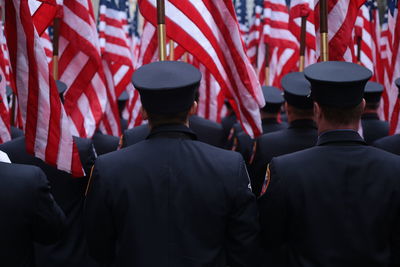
(81, 68)
(47, 44)
(241, 13)
(385, 44)
(255, 31)
(394, 7)
(5, 134)
(211, 97)
(367, 33)
(117, 58)
(304, 8)
(209, 31)
(43, 13)
(342, 16)
(282, 45)
(148, 52)
(46, 125)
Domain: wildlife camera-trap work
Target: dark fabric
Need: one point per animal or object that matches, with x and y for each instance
(16, 132)
(28, 214)
(171, 201)
(389, 143)
(300, 135)
(227, 124)
(373, 127)
(68, 192)
(336, 204)
(272, 125)
(104, 143)
(207, 131)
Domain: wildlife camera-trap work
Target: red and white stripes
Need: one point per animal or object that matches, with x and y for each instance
(209, 31)
(342, 15)
(46, 125)
(80, 67)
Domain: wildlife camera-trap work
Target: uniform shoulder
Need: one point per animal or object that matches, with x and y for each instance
(387, 140)
(20, 173)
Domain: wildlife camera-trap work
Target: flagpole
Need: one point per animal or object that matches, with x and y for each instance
(266, 65)
(359, 49)
(171, 50)
(302, 43)
(161, 32)
(56, 37)
(323, 12)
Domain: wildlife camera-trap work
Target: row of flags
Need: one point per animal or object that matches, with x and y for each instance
(96, 60)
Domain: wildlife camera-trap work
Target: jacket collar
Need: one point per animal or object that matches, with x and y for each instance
(172, 131)
(370, 116)
(270, 121)
(303, 124)
(340, 137)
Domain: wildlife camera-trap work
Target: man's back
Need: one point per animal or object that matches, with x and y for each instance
(373, 127)
(337, 204)
(171, 201)
(300, 135)
(28, 214)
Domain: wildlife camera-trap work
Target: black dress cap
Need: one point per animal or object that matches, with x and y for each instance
(297, 91)
(9, 91)
(123, 97)
(273, 99)
(336, 83)
(373, 92)
(61, 87)
(397, 82)
(167, 87)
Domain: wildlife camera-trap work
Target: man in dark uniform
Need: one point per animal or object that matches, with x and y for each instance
(301, 134)
(206, 131)
(104, 143)
(269, 113)
(28, 214)
(373, 127)
(338, 203)
(71, 250)
(171, 200)
(390, 143)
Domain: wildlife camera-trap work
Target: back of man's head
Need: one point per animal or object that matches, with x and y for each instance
(337, 89)
(167, 91)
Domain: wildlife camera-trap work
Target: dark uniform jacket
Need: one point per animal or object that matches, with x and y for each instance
(207, 131)
(28, 214)
(270, 125)
(373, 127)
(389, 143)
(171, 201)
(227, 124)
(71, 250)
(16, 132)
(300, 135)
(336, 204)
(104, 143)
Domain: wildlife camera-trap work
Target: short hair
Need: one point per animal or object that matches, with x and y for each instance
(163, 119)
(372, 106)
(342, 116)
(302, 113)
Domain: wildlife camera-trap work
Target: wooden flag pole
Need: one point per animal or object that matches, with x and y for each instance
(161, 30)
(171, 50)
(323, 13)
(303, 43)
(56, 37)
(266, 65)
(359, 41)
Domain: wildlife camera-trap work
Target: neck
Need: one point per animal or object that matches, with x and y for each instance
(296, 118)
(265, 115)
(151, 126)
(369, 111)
(326, 127)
